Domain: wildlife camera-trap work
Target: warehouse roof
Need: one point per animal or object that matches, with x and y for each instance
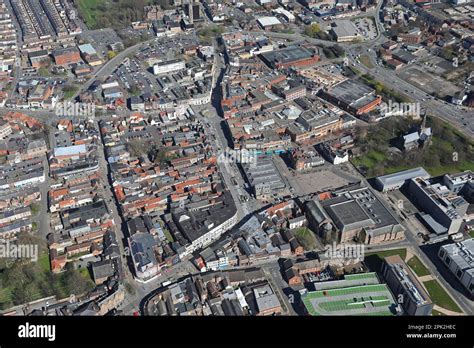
(268, 21)
(399, 178)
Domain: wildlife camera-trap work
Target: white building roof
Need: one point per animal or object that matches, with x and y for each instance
(69, 150)
(411, 137)
(268, 21)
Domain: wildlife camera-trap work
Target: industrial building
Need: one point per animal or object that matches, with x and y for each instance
(344, 31)
(352, 96)
(38, 58)
(315, 123)
(404, 285)
(394, 181)
(65, 56)
(292, 56)
(459, 258)
(268, 22)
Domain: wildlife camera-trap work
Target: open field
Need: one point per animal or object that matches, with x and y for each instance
(428, 82)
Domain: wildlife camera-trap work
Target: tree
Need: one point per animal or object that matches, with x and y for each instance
(339, 51)
(76, 284)
(379, 169)
(361, 132)
(329, 53)
(312, 30)
(134, 90)
(111, 54)
(25, 294)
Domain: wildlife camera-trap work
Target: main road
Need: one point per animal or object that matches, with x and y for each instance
(456, 116)
(106, 69)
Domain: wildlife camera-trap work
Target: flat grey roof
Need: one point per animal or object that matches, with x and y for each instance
(351, 92)
(462, 253)
(344, 28)
(400, 177)
(349, 215)
(360, 208)
(433, 224)
(287, 54)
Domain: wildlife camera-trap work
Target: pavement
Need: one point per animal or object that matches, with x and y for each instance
(441, 109)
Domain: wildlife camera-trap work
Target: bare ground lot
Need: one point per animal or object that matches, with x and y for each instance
(428, 82)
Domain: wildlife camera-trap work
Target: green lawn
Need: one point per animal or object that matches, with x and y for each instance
(374, 260)
(44, 72)
(43, 262)
(40, 282)
(436, 313)
(471, 233)
(440, 296)
(385, 253)
(418, 267)
(366, 61)
(89, 11)
(306, 237)
(5, 297)
(70, 92)
(370, 159)
(168, 235)
(85, 273)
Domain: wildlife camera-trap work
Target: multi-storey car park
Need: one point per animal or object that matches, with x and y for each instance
(360, 294)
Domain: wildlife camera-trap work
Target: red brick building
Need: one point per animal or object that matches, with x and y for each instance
(292, 56)
(65, 56)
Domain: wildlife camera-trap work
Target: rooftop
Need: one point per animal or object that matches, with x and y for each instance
(408, 280)
(360, 208)
(373, 299)
(400, 177)
(268, 21)
(462, 254)
(344, 28)
(287, 55)
(353, 93)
